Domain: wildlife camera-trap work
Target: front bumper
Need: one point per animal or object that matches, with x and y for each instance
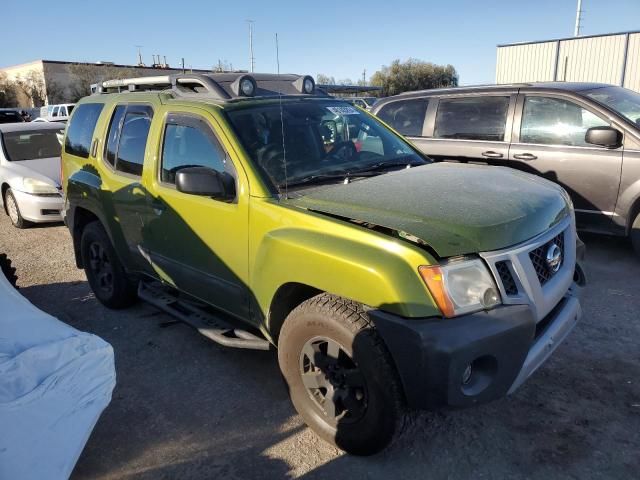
(504, 347)
(36, 208)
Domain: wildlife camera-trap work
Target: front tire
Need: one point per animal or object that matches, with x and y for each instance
(106, 275)
(14, 211)
(341, 377)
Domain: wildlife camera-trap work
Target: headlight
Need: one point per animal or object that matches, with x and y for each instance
(461, 287)
(38, 187)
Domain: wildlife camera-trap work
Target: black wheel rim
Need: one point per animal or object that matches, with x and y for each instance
(333, 380)
(101, 268)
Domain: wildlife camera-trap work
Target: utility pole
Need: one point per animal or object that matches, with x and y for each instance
(252, 60)
(140, 63)
(364, 77)
(576, 31)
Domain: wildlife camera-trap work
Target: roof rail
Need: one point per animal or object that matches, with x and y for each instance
(217, 86)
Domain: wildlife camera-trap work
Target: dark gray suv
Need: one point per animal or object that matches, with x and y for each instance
(584, 136)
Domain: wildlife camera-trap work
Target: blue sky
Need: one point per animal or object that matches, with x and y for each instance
(315, 37)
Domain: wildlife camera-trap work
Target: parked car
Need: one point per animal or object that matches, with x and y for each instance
(30, 172)
(362, 102)
(55, 383)
(11, 115)
(584, 136)
(264, 212)
(55, 113)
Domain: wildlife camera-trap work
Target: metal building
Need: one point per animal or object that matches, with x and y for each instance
(611, 58)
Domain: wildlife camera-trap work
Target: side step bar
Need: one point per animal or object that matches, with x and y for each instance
(209, 325)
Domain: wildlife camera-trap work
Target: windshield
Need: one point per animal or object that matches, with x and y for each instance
(31, 145)
(623, 101)
(321, 138)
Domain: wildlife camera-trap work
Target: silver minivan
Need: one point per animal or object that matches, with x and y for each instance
(584, 136)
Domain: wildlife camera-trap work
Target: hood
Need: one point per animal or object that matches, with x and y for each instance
(455, 209)
(42, 167)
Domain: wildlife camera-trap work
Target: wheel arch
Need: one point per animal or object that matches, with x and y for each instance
(81, 218)
(285, 300)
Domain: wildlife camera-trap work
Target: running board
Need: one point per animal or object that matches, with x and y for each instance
(209, 325)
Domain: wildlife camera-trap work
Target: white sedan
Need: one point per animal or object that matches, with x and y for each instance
(30, 188)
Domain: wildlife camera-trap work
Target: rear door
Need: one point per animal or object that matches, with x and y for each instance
(123, 157)
(549, 140)
(469, 128)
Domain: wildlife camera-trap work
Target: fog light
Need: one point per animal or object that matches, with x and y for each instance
(247, 87)
(308, 85)
(466, 375)
(490, 298)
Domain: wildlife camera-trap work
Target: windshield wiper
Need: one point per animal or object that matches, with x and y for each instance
(323, 177)
(381, 166)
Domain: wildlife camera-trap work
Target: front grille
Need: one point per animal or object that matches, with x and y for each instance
(509, 284)
(539, 259)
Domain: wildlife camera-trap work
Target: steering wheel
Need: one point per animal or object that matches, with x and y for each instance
(343, 146)
(271, 159)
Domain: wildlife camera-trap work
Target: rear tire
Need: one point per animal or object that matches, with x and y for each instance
(635, 234)
(106, 275)
(341, 377)
(13, 211)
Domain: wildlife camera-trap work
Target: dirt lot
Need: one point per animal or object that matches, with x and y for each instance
(187, 408)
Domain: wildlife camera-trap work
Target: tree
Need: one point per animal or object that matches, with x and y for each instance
(8, 93)
(322, 79)
(86, 75)
(412, 75)
(33, 88)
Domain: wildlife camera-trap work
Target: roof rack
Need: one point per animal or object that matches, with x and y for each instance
(221, 87)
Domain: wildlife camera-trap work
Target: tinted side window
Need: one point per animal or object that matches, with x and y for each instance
(189, 142)
(133, 140)
(472, 118)
(80, 130)
(406, 116)
(553, 121)
(111, 147)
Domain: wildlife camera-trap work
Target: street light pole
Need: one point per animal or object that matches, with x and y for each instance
(576, 31)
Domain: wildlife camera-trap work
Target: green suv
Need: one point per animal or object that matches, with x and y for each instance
(265, 213)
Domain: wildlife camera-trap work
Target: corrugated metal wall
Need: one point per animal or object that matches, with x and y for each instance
(632, 74)
(586, 59)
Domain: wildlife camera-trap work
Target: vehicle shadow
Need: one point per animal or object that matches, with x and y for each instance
(183, 407)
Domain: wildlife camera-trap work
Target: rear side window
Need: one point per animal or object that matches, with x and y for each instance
(80, 129)
(472, 118)
(127, 138)
(406, 116)
(190, 142)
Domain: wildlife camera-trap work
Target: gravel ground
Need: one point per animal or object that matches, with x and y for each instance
(187, 408)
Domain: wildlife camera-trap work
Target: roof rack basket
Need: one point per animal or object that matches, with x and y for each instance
(180, 84)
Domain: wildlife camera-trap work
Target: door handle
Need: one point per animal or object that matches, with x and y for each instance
(491, 154)
(525, 156)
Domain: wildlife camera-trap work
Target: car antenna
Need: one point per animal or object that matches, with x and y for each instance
(284, 148)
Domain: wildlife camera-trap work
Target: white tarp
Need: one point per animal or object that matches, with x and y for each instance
(55, 381)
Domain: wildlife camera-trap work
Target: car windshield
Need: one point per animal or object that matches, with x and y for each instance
(321, 140)
(32, 144)
(10, 116)
(623, 101)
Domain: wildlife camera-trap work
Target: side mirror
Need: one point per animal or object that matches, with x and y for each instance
(604, 136)
(206, 182)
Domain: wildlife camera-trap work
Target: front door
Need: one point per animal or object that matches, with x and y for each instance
(196, 243)
(549, 140)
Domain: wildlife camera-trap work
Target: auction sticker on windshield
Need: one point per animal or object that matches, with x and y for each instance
(346, 110)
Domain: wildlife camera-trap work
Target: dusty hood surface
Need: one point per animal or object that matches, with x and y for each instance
(456, 209)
